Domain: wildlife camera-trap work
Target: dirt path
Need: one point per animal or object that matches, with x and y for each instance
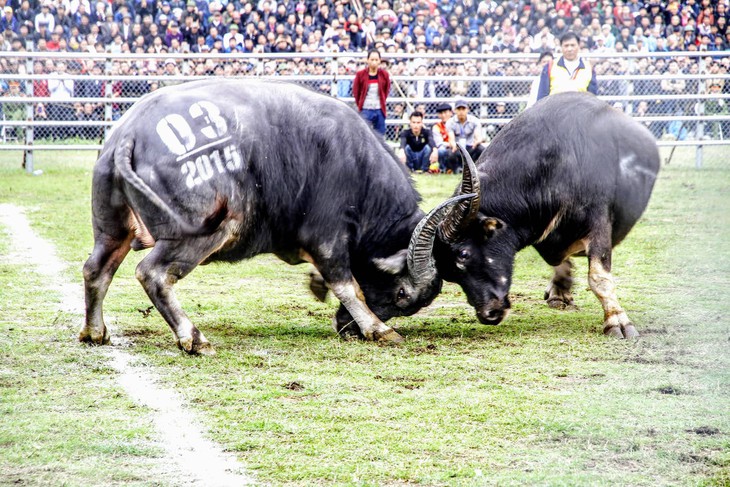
(191, 459)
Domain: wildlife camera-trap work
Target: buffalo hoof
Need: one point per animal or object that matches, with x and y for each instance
(625, 331)
(390, 336)
(87, 336)
(558, 303)
(189, 346)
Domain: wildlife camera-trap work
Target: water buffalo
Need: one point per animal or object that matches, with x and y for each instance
(569, 176)
(223, 170)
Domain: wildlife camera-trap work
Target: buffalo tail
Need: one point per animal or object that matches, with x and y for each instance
(123, 161)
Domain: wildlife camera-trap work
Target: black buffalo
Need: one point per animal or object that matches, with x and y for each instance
(225, 170)
(570, 176)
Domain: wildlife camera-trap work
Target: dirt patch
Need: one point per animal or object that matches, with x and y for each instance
(705, 431)
(294, 386)
(669, 390)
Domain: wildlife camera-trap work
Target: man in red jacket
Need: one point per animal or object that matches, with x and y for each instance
(370, 89)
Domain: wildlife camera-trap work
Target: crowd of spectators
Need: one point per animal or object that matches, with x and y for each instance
(406, 26)
(411, 26)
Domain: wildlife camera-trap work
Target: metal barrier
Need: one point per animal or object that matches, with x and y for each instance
(58, 101)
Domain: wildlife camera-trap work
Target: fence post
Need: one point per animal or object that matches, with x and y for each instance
(29, 114)
(700, 132)
(108, 92)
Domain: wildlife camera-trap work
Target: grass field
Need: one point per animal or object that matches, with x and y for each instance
(542, 399)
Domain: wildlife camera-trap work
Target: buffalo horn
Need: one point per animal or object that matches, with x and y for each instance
(463, 213)
(421, 264)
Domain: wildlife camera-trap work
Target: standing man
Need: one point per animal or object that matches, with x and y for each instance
(468, 132)
(546, 57)
(60, 89)
(416, 143)
(570, 72)
(370, 89)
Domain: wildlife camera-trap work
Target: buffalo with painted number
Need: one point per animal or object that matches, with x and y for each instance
(569, 176)
(225, 170)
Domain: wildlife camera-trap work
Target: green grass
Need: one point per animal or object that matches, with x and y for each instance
(542, 399)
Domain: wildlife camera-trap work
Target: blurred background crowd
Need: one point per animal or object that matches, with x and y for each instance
(411, 26)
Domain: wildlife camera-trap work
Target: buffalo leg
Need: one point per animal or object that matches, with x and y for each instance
(99, 271)
(169, 262)
(317, 285)
(616, 322)
(352, 298)
(557, 293)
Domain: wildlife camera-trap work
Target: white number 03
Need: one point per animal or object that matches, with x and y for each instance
(177, 135)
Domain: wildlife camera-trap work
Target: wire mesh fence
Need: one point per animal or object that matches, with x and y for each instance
(72, 98)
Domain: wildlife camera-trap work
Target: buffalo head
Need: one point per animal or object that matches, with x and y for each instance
(476, 251)
(399, 284)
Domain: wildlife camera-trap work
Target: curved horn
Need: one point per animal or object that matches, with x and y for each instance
(466, 211)
(421, 264)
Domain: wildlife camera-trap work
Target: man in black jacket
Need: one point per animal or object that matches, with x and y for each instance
(417, 144)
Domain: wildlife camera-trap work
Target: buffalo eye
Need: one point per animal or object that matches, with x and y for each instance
(463, 254)
(401, 294)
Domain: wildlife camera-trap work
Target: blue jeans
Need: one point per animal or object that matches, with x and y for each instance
(375, 118)
(448, 161)
(418, 161)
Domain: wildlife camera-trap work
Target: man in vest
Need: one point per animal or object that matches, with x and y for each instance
(445, 140)
(569, 73)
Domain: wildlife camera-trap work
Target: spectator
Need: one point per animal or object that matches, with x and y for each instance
(445, 140)
(45, 16)
(12, 111)
(467, 129)
(92, 88)
(544, 59)
(642, 110)
(173, 34)
(569, 73)
(671, 85)
(8, 22)
(422, 88)
(500, 112)
(61, 89)
(87, 113)
(716, 106)
(417, 144)
(370, 89)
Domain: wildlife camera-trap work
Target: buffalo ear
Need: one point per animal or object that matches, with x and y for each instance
(490, 225)
(393, 264)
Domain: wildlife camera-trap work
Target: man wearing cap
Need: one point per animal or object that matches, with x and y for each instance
(370, 89)
(8, 20)
(467, 129)
(173, 33)
(63, 19)
(569, 73)
(233, 32)
(45, 16)
(445, 140)
(191, 31)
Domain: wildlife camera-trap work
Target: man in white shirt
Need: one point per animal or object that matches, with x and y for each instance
(45, 16)
(60, 89)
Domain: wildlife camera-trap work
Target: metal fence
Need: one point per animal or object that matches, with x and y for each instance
(70, 100)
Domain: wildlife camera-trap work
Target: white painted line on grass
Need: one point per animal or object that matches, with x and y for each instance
(197, 461)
